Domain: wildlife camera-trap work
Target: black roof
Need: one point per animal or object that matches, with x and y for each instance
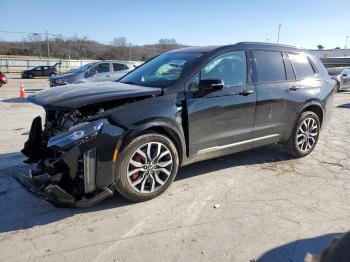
(245, 45)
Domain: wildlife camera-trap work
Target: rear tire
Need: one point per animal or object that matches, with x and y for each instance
(304, 135)
(148, 165)
(0, 84)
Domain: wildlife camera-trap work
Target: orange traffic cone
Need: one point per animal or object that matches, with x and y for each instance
(22, 93)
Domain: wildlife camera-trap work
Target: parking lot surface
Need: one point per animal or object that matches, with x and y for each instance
(258, 205)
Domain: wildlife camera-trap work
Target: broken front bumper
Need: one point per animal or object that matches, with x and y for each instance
(75, 168)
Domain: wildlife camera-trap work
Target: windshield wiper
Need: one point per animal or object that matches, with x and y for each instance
(130, 83)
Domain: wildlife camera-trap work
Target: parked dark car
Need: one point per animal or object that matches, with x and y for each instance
(3, 79)
(41, 71)
(181, 107)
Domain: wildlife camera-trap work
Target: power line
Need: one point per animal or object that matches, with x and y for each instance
(28, 33)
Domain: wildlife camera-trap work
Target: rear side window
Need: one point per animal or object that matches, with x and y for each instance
(302, 66)
(119, 67)
(269, 66)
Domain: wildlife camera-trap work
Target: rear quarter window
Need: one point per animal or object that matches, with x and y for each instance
(302, 66)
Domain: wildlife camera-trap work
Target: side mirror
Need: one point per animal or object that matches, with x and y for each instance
(210, 85)
(90, 73)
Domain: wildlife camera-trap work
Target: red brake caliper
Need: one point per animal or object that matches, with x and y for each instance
(135, 176)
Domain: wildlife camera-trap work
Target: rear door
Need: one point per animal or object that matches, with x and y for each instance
(271, 84)
(222, 119)
(119, 70)
(47, 70)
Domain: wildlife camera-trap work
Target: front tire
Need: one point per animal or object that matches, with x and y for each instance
(304, 135)
(30, 76)
(337, 87)
(147, 167)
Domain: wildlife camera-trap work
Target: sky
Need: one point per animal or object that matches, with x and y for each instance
(305, 23)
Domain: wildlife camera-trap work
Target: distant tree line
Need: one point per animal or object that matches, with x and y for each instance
(83, 48)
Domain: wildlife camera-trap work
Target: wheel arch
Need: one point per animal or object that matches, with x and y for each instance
(160, 126)
(313, 106)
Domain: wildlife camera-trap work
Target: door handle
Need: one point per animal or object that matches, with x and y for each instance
(294, 88)
(108, 76)
(245, 92)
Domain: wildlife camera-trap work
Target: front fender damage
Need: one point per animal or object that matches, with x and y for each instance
(75, 168)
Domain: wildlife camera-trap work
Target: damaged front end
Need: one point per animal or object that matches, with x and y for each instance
(75, 159)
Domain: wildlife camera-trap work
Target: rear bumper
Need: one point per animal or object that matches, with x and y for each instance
(73, 169)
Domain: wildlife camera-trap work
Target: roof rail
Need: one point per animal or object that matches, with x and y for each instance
(263, 43)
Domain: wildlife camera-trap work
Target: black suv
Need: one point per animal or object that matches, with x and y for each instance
(183, 106)
(41, 71)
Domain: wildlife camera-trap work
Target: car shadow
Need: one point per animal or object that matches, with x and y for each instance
(266, 154)
(344, 106)
(21, 209)
(17, 100)
(297, 250)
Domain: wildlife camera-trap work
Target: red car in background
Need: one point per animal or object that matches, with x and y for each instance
(3, 79)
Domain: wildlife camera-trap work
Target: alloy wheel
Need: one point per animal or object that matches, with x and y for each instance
(307, 135)
(149, 167)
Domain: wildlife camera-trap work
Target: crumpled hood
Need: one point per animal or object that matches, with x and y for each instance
(76, 96)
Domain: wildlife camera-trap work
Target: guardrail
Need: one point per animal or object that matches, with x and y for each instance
(16, 65)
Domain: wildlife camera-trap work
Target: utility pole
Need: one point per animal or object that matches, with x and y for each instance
(48, 44)
(81, 45)
(130, 51)
(346, 42)
(278, 35)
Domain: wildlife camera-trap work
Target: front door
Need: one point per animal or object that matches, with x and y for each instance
(222, 119)
(100, 72)
(38, 71)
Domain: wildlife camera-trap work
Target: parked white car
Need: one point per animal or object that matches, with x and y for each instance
(343, 80)
(110, 70)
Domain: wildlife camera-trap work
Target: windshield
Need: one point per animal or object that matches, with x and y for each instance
(82, 68)
(161, 71)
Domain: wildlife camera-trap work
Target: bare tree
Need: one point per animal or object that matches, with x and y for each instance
(119, 41)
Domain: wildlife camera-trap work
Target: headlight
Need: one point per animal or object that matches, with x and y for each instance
(61, 80)
(77, 134)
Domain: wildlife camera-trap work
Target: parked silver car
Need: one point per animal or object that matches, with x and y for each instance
(95, 72)
(343, 80)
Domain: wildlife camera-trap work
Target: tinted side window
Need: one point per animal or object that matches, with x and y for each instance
(269, 66)
(101, 68)
(119, 67)
(230, 67)
(302, 66)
